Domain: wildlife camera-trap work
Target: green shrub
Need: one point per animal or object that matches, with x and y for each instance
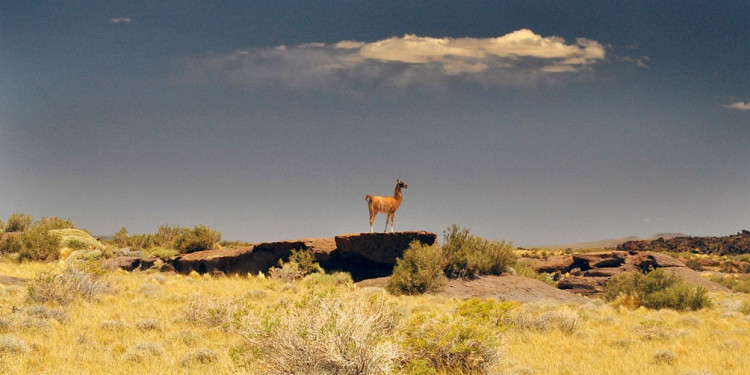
(166, 235)
(10, 244)
(121, 237)
(464, 342)
(419, 270)
(300, 264)
(694, 264)
(2, 226)
(18, 222)
(55, 222)
(38, 243)
(656, 290)
(469, 256)
(737, 283)
(526, 269)
(199, 238)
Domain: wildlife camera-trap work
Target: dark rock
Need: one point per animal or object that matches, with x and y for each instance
(554, 264)
(583, 285)
(123, 262)
(380, 247)
(599, 259)
(372, 255)
(363, 255)
(647, 261)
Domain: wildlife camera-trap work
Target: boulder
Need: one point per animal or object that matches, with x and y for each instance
(648, 260)
(372, 255)
(587, 261)
(227, 260)
(584, 285)
(553, 264)
(380, 247)
(126, 263)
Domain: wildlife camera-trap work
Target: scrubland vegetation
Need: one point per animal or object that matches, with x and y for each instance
(75, 317)
(67, 320)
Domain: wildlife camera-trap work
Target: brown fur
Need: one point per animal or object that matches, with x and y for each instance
(386, 205)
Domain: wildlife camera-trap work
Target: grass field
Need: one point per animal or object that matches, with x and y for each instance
(153, 323)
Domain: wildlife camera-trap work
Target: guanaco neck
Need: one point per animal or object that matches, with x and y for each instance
(397, 194)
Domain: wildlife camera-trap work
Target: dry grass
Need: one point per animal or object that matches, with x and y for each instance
(189, 327)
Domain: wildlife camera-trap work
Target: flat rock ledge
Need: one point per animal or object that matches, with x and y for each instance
(363, 255)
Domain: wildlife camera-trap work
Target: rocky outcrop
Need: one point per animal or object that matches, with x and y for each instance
(127, 263)
(733, 244)
(363, 255)
(588, 273)
(584, 285)
(371, 255)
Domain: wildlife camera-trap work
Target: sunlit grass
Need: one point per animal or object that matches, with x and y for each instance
(147, 327)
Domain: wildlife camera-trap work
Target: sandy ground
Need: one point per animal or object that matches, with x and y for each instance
(509, 287)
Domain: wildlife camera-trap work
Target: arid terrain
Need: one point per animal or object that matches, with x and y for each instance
(271, 308)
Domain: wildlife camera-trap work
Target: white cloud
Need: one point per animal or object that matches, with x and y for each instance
(120, 20)
(741, 106)
(518, 59)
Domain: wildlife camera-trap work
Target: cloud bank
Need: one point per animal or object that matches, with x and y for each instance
(518, 59)
(740, 106)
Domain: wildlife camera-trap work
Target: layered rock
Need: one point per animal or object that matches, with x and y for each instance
(364, 255)
(588, 273)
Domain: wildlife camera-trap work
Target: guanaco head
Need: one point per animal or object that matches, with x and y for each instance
(400, 184)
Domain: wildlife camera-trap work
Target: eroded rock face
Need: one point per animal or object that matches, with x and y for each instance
(371, 255)
(588, 273)
(363, 255)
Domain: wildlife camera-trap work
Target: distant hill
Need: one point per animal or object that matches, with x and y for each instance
(609, 243)
(733, 244)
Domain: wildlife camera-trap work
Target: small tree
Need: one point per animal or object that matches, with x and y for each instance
(38, 243)
(656, 290)
(419, 270)
(18, 222)
(121, 237)
(469, 256)
(198, 238)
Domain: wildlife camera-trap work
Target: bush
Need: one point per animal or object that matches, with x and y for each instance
(694, 264)
(321, 335)
(121, 237)
(656, 290)
(18, 222)
(40, 244)
(55, 222)
(300, 264)
(199, 356)
(210, 311)
(466, 341)
(737, 283)
(419, 270)
(198, 238)
(2, 226)
(526, 269)
(65, 287)
(469, 256)
(10, 244)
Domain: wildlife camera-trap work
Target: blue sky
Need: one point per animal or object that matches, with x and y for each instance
(533, 122)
